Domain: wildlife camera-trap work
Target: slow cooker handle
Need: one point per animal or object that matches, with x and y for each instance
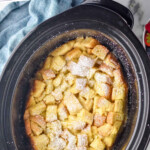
(124, 12)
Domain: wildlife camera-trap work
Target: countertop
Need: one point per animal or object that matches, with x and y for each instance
(139, 8)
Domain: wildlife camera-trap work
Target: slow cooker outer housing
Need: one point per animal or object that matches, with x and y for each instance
(95, 21)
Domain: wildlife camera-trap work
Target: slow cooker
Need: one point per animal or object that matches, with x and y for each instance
(108, 22)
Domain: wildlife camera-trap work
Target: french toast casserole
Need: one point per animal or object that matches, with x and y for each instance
(78, 98)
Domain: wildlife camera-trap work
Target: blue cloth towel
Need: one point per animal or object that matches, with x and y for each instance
(19, 18)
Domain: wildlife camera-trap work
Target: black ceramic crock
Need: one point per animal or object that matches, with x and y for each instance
(108, 22)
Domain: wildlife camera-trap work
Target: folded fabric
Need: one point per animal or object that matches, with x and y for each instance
(19, 18)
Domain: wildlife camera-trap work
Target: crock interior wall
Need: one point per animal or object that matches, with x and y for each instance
(33, 64)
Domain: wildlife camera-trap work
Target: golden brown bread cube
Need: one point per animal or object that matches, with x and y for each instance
(47, 63)
(37, 130)
(57, 81)
(82, 140)
(72, 103)
(104, 90)
(57, 93)
(86, 116)
(89, 42)
(119, 106)
(78, 43)
(37, 109)
(118, 93)
(63, 49)
(40, 142)
(49, 99)
(47, 74)
(106, 69)
(100, 51)
(102, 78)
(105, 130)
(111, 61)
(70, 78)
(112, 117)
(38, 88)
(49, 86)
(87, 104)
(99, 120)
(62, 112)
(74, 53)
(28, 126)
(109, 140)
(51, 113)
(30, 102)
(38, 119)
(40, 98)
(58, 62)
(97, 144)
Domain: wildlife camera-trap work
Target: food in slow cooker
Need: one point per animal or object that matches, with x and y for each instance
(78, 98)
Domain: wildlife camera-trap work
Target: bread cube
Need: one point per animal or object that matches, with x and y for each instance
(37, 109)
(91, 73)
(111, 61)
(54, 129)
(72, 103)
(57, 93)
(40, 98)
(112, 117)
(118, 93)
(87, 104)
(78, 43)
(78, 69)
(49, 86)
(76, 124)
(109, 141)
(106, 69)
(89, 42)
(86, 116)
(102, 78)
(70, 79)
(38, 88)
(87, 93)
(57, 144)
(48, 74)
(97, 144)
(62, 112)
(30, 102)
(70, 138)
(39, 120)
(28, 126)
(87, 130)
(58, 63)
(103, 90)
(86, 61)
(57, 81)
(100, 51)
(116, 126)
(94, 130)
(104, 104)
(40, 142)
(64, 85)
(99, 120)
(105, 130)
(51, 113)
(63, 49)
(80, 83)
(82, 140)
(47, 63)
(75, 53)
(37, 130)
(49, 99)
(119, 80)
(73, 89)
(119, 106)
